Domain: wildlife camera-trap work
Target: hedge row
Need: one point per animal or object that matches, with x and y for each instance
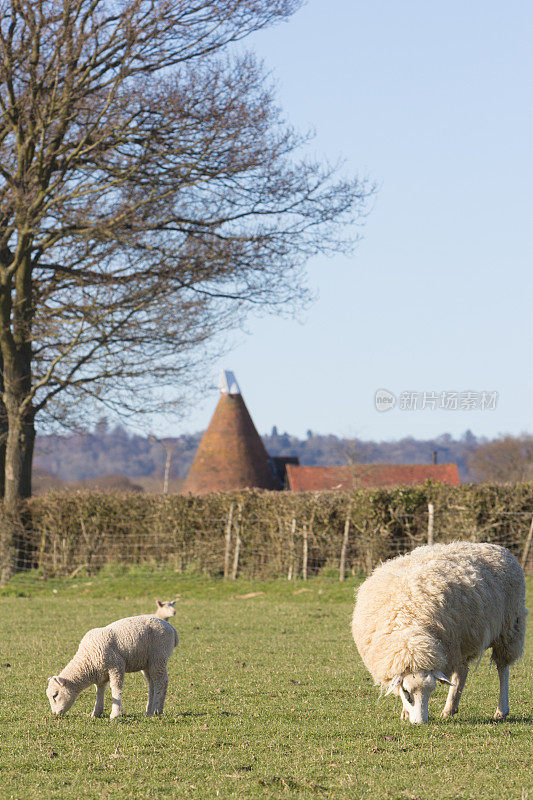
(264, 533)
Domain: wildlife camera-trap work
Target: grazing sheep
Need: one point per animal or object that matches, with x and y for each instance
(165, 609)
(423, 617)
(135, 644)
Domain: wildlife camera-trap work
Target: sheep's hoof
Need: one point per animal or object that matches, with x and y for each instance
(447, 713)
(96, 714)
(404, 715)
(500, 714)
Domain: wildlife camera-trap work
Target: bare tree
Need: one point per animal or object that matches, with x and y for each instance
(149, 192)
(508, 459)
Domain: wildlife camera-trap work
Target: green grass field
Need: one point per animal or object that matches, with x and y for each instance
(267, 699)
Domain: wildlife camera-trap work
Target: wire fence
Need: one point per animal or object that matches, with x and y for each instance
(323, 535)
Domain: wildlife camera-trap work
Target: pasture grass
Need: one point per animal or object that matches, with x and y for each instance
(267, 699)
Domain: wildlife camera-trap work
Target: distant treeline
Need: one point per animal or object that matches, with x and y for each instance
(114, 451)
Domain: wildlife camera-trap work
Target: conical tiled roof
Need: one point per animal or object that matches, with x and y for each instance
(231, 454)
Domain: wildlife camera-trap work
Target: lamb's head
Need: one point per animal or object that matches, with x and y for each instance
(165, 609)
(61, 694)
(414, 689)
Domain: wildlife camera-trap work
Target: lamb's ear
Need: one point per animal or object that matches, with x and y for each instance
(393, 684)
(440, 676)
(172, 603)
(57, 679)
(160, 604)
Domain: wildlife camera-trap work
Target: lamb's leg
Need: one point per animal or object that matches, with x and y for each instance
(116, 679)
(150, 704)
(98, 709)
(503, 702)
(455, 692)
(160, 692)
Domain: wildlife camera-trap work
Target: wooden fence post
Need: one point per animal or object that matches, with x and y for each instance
(227, 548)
(237, 544)
(369, 555)
(431, 512)
(291, 549)
(54, 555)
(305, 552)
(527, 545)
(344, 548)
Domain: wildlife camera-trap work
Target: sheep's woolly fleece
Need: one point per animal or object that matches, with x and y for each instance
(130, 644)
(439, 606)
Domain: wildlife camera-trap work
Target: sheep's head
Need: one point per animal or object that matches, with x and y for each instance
(60, 694)
(165, 608)
(415, 689)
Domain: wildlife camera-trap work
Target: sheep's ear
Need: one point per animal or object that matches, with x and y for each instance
(393, 684)
(57, 679)
(172, 603)
(160, 604)
(440, 676)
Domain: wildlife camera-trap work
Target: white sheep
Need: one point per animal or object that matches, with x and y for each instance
(135, 644)
(165, 609)
(423, 617)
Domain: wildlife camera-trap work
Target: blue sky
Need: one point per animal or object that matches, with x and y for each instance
(433, 102)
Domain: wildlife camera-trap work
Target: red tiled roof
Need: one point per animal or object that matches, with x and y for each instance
(231, 454)
(345, 478)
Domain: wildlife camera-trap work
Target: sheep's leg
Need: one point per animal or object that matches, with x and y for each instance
(455, 692)
(160, 692)
(98, 709)
(150, 682)
(503, 701)
(116, 679)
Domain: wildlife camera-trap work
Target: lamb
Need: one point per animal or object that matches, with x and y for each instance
(423, 617)
(143, 643)
(165, 609)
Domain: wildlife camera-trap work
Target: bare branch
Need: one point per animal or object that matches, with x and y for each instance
(150, 192)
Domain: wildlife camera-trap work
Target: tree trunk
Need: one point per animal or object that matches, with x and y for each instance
(18, 463)
(18, 458)
(18, 540)
(3, 442)
(17, 355)
(3, 430)
(16, 318)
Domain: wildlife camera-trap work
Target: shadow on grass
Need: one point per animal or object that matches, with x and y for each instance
(289, 785)
(191, 714)
(483, 720)
(513, 720)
